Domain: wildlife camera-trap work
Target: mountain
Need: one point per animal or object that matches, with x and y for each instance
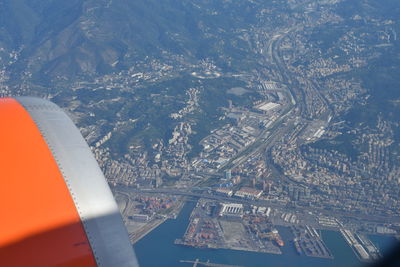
(69, 38)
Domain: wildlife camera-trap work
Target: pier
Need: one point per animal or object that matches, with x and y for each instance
(361, 245)
(208, 263)
(308, 242)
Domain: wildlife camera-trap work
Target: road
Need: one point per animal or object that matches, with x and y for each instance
(265, 203)
(267, 138)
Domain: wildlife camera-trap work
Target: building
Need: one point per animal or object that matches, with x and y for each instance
(236, 179)
(224, 191)
(139, 217)
(267, 186)
(267, 106)
(228, 174)
(231, 209)
(247, 192)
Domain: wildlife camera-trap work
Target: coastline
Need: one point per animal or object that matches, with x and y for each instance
(145, 230)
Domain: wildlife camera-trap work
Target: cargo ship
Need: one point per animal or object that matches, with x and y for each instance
(279, 242)
(297, 246)
(278, 238)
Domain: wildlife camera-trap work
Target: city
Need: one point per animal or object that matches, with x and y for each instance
(279, 136)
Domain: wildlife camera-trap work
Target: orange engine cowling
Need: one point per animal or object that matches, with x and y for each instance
(56, 206)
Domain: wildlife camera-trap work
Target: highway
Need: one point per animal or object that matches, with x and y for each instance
(265, 203)
(267, 138)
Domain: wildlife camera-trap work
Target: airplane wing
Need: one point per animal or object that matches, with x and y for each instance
(55, 204)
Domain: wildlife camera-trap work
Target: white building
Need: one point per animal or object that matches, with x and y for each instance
(231, 209)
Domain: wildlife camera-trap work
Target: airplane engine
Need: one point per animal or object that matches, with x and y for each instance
(56, 206)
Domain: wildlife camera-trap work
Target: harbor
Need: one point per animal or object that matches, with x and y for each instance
(162, 240)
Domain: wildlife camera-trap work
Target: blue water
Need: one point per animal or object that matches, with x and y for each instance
(158, 249)
(383, 243)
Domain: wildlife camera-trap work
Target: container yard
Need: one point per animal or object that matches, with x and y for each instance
(226, 225)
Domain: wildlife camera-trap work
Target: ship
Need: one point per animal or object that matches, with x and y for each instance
(297, 246)
(277, 238)
(279, 242)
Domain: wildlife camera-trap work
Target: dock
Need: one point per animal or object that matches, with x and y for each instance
(308, 242)
(142, 232)
(208, 263)
(361, 245)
